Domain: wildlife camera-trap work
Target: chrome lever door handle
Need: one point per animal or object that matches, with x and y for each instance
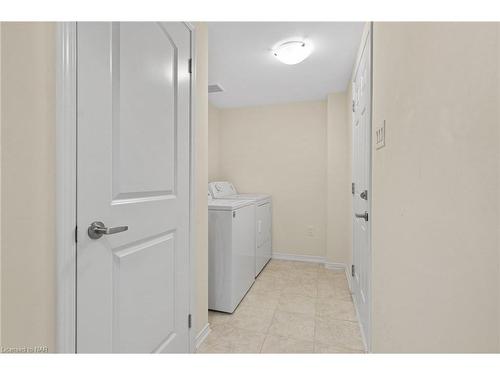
(362, 216)
(97, 230)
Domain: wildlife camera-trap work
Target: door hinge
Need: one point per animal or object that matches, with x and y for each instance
(189, 321)
(76, 234)
(353, 187)
(353, 271)
(190, 66)
(353, 106)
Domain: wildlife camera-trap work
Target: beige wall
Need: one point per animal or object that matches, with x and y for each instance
(281, 150)
(435, 188)
(201, 176)
(213, 143)
(28, 176)
(339, 198)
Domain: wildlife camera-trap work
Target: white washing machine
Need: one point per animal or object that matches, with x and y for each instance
(263, 219)
(231, 252)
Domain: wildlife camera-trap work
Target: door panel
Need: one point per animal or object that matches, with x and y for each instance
(133, 169)
(361, 178)
(141, 273)
(144, 85)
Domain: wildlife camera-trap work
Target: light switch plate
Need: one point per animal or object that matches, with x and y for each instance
(380, 136)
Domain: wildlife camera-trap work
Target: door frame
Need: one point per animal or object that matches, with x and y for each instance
(367, 339)
(66, 186)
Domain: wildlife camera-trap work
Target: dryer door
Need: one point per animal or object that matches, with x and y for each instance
(263, 224)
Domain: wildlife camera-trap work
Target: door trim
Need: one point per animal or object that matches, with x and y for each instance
(66, 182)
(367, 33)
(66, 187)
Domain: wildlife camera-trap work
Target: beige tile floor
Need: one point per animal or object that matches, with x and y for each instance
(293, 307)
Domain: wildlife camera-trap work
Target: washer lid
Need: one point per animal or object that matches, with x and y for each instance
(228, 204)
(258, 198)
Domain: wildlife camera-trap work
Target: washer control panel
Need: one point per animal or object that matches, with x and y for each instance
(220, 189)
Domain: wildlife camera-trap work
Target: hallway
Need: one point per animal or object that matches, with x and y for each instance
(111, 133)
(293, 307)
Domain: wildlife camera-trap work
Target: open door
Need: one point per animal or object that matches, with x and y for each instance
(133, 187)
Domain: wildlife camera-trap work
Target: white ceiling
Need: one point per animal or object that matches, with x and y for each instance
(240, 60)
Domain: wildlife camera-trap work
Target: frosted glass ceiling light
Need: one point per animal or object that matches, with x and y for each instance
(293, 52)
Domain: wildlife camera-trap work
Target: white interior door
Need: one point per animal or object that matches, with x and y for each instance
(133, 170)
(361, 136)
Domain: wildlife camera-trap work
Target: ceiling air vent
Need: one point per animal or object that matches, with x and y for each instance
(215, 88)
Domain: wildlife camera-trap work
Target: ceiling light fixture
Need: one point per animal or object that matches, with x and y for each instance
(293, 52)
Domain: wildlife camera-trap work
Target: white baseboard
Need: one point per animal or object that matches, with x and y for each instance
(334, 265)
(202, 335)
(299, 258)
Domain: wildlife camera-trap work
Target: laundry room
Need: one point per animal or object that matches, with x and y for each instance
(279, 194)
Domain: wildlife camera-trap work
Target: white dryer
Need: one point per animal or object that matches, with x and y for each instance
(263, 219)
(231, 252)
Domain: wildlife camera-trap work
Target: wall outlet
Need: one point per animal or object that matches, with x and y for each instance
(380, 136)
(310, 231)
